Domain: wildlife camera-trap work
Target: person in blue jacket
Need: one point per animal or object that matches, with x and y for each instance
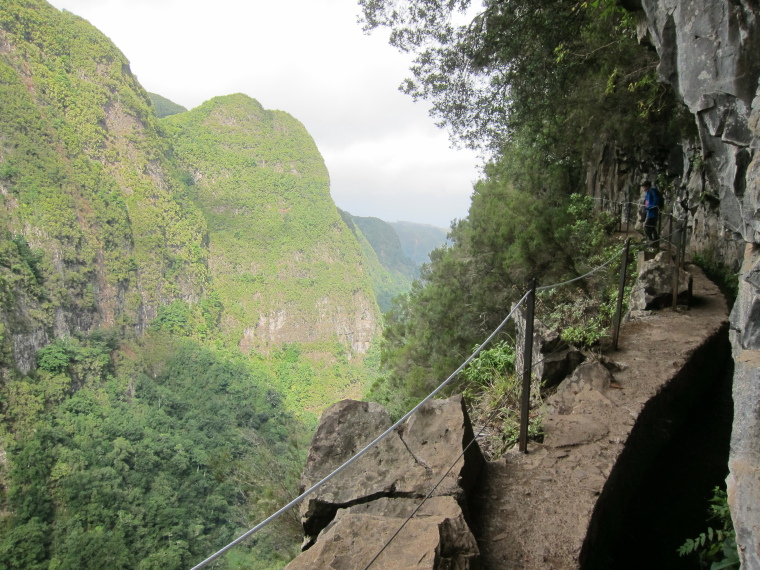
(652, 206)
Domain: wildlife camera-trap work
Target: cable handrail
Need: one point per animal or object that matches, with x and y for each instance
(596, 269)
(360, 453)
(392, 428)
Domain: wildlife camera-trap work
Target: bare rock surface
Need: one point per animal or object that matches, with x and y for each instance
(553, 358)
(542, 509)
(654, 287)
(437, 537)
(367, 501)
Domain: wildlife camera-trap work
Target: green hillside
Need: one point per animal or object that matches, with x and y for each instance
(286, 267)
(418, 240)
(86, 182)
(164, 107)
(170, 317)
(390, 272)
(386, 243)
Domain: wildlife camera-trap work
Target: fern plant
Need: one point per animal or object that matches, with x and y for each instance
(716, 547)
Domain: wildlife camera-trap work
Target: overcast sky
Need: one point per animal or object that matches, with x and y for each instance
(309, 58)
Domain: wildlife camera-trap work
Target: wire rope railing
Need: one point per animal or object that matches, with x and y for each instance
(624, 251)
(363, 451)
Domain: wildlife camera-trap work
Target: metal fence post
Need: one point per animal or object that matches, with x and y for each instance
(627, 215)
(621, 290)
(527, 368)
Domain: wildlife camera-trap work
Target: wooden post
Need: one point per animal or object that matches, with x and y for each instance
(670, 236)
(627, 216)
(659, 226)
(676, 268)
(621, 291)
(527, 368)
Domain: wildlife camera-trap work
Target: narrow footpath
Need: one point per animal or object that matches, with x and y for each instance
(561, 505)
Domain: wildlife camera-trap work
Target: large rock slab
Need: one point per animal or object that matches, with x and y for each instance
(436, 538)
(654, 287)
(411, 462)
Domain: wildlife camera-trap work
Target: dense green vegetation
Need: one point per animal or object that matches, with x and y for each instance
(287, 271)
(249, 164)
(164, 107)
(390, 272)
(418, 240)
(386, 243)
(86, 177)
(135, 432)
(151, 456)
(542, 85)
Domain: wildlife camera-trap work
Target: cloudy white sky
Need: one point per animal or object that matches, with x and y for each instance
(309, 58)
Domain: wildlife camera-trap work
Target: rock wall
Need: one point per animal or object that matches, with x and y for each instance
(709, 54)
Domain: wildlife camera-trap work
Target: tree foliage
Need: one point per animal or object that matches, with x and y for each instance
(542, 85)
(152, 460)
(555, 68)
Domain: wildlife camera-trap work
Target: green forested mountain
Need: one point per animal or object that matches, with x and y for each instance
(87, 184)
(386, 243)
(154, 277)
(286, 267)
(418, 240)
(164, 107)
(391, 272)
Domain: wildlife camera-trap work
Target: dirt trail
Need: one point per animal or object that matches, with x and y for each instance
(535, 511)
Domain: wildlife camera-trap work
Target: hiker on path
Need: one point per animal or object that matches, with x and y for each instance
(652, 206)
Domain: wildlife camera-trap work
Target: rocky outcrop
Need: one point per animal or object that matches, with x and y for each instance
(370, 499)
(436, 537)
(552, 359)
(654, 286)
(708, 53)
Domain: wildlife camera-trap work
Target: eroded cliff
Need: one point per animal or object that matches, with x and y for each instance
(709, 54)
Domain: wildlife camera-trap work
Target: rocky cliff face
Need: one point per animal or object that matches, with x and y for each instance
(285, 265)
(709, 54)
(93, 220)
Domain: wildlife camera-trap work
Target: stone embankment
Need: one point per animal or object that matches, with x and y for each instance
(558, 506)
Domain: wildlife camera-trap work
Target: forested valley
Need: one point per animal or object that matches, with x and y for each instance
(180, 298)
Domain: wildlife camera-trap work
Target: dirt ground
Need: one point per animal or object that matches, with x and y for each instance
(532, 511)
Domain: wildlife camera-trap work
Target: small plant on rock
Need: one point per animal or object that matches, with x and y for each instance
(492, 392)
(716, 547)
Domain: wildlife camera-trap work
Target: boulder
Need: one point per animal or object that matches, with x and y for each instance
(590, 376)
(409, 462)
(654, 287)
(553, 358)
(437, 537)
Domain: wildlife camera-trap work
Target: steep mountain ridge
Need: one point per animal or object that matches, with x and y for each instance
(391, 273)
(86, 180)
(285, 265)
(418, 240)
(132, 273)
